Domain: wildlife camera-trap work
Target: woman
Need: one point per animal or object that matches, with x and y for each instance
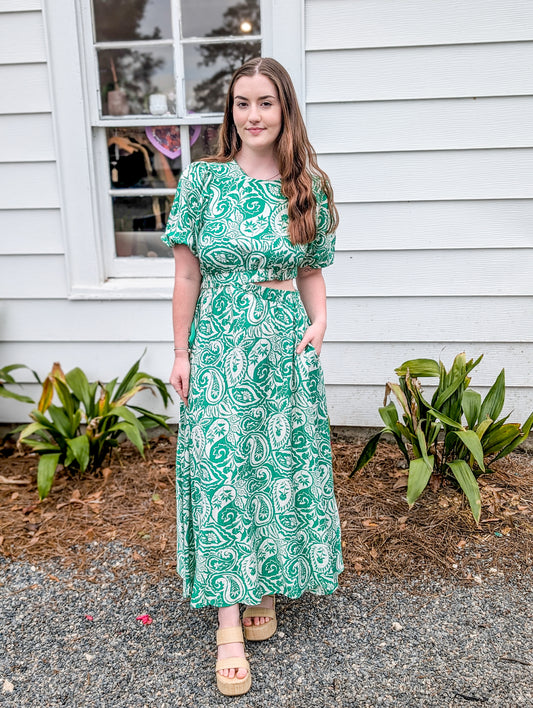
(256, 512)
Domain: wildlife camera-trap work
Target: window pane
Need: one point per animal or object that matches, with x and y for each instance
(134, 82)
(204, 141)
(117, 20)
(220, 18)
(208, 70)
(139, 224)
(145, 157)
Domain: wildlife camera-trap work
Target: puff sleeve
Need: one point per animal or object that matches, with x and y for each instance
(320, 252)
(185, 218)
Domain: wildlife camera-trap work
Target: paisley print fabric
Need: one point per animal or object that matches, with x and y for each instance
(256, 511)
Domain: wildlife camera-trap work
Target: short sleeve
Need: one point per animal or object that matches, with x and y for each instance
(185, 218)
(321, 251)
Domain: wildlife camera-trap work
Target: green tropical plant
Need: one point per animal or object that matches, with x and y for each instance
(83, 430)
(457, 434)
(6, 378)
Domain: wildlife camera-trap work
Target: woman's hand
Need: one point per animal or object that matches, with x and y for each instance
(314, 335)
(179, 378)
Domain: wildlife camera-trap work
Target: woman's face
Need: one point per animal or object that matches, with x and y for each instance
(256, 112)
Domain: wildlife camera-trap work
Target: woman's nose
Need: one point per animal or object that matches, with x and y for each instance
(253, 115)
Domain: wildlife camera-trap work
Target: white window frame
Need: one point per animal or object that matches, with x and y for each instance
(82, 154)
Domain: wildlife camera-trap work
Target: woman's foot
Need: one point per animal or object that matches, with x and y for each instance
(229, 617)
(267, 601)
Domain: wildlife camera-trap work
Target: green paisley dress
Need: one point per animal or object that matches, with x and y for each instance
(256, 511)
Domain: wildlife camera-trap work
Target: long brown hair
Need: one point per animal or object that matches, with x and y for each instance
(296, 157)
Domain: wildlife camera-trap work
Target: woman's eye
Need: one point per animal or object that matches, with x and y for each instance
(266, 104)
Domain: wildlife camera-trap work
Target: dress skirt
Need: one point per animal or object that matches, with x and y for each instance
(256, 511)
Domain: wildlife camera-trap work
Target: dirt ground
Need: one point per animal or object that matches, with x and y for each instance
(132, 501)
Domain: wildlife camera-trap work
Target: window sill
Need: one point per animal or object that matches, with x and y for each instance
(126, 289)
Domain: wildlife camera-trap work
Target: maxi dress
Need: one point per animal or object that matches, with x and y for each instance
(256, 511)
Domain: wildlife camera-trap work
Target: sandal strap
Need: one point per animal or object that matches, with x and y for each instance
(232, 662)
(226, 635)
(259, 611)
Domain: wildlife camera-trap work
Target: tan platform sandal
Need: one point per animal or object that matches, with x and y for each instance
(232, 686)
(256, 633)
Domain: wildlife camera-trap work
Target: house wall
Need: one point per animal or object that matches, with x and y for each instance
(421, 115)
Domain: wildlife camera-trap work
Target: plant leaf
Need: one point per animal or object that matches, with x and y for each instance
(419, 368)
(423, 449)
(46, 395)
(5, 393)
(126, 381)
(80, 387)
(444, 419)
(470, 439)
(496, 440)
(402, 399)
(389, 415)
(482, 428)
(46, 473)
(81, 450)
(471, 405)
(156, 418)
(464, 475)
(368, 452)
(494, 400)
(419, 474)
(131, 432)
(517, 441)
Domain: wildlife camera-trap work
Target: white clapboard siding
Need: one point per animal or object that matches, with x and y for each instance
(435, 225)
(26, 138)
(339, 24)
(420, 72)
(22, 38)
(363, 363)
(354, 274)
(445, 174)
(346, 404)
(24, 88)
(30, 231)
(393, 319)
(20, 5)
(29, 185)
(450, 124)
(428, 274)
(29, 277)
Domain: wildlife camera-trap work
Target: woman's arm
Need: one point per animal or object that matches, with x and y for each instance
(312, 288)
(187, 281)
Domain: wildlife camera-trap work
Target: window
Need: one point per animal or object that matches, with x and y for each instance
(159, 70)
(138, 89)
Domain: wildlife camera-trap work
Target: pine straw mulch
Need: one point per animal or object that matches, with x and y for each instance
(133, 502)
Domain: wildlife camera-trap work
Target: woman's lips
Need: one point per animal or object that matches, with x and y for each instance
(255, 131)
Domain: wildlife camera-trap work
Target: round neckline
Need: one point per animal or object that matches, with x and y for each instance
(255, 179)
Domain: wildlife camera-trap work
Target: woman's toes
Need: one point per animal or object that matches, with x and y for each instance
(241, 673)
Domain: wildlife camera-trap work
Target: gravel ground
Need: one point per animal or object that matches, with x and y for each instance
(425, 642)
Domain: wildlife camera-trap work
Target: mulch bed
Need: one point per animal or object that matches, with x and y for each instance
(132, 501)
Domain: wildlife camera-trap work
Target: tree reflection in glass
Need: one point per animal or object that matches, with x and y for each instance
(127, 20)
(209, 67)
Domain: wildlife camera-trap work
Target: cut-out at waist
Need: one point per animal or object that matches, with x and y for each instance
(277, 284)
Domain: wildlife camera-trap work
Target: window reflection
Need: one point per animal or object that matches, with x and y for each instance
(208, 70)
(144, 157)
(149, 157)
(129, 78)
(207, 141)
(220, 18)
(139, 223)
(126, 20)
